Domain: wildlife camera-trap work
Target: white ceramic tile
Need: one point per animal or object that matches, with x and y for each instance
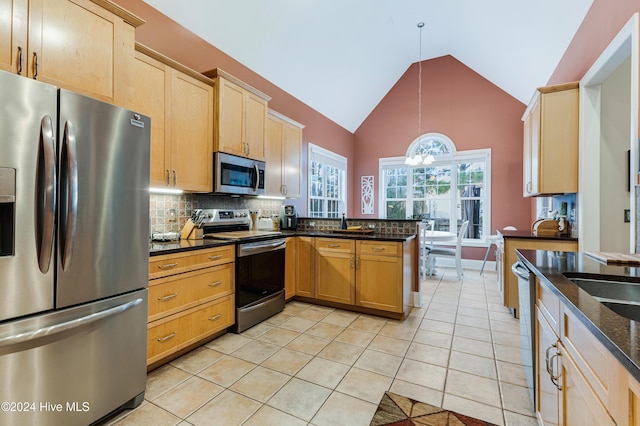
(323, 372)
(373, 390)
(228, 409)
(422, 374)
(379, 362)
(260, 383)
(300, 398)
(341, 409)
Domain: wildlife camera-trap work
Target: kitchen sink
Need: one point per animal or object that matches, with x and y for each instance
(621, 297)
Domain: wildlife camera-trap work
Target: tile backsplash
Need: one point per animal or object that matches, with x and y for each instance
(169, 213)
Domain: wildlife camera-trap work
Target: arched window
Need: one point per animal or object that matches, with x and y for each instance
(426, 148)
(435, 181)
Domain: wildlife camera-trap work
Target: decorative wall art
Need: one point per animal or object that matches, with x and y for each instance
(366, 183)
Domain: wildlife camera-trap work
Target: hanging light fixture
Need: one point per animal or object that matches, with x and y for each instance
(419, 155)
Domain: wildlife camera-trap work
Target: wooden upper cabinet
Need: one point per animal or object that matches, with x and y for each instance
(148, 94)
(283, 155)
(191, 133)
(180, 104)
(550, 163)
(13, 34)
(80, 45)
(240, 113)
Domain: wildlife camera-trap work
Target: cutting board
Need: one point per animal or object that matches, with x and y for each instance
(613, 257)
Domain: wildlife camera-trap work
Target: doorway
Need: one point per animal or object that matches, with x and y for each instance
(608, 135)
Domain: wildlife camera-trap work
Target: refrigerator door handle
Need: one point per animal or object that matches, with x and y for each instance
(68, 194)
(45, 194)
(67, 325)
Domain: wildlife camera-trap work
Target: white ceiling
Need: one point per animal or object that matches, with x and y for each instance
(341, 57)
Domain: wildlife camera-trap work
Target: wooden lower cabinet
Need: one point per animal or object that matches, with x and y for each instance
(578, 381)
(173, 333)
(290, 268)
(364, 274)
(191, 297)
(335, 270)
(305, 267)
(379, 276)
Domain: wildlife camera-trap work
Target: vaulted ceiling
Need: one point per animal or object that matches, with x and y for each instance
(341, 57)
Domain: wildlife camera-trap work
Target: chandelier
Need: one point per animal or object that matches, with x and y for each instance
(419, 156)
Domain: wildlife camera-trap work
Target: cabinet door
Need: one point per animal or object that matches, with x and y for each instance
(13, 34)
(273, 155)
(147, 95)
(547, 394)
(91, 53)
(191, 132)
(230, 107)
(379, 282)
(580, 405)
(290, 268)
(531, 148)
(305, 267)
(292, 161)
(255, 122)
(335, 276)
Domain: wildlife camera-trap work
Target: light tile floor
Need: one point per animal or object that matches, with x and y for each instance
(312, 365)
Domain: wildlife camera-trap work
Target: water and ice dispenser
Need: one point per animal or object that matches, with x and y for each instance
(7, 210)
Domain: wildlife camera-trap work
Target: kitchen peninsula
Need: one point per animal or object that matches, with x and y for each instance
(591, 354)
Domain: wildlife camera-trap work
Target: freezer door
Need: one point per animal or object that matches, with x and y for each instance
(103, 222)
(27, 181)
(76, 365)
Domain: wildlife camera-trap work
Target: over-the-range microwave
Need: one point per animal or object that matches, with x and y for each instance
(237, 175)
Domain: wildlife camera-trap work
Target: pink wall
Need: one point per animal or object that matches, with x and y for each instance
(169, 38)
(467, 108)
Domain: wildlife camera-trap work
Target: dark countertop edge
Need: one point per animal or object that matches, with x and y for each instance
(569, 292)
(157, 248)
(527, 235)
(374, 237)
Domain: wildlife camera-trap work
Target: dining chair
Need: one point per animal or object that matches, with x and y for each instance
(493, 241)
(451, 252)
(425, 247)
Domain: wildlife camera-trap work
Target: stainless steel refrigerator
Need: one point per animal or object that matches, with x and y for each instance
(74, 221)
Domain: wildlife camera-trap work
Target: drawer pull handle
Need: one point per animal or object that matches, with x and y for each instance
(168, 265)
(377, 248)
(164, 339)
(215, 284)
(333, 245)
(215, 317)
(168, 297)
(216, 257)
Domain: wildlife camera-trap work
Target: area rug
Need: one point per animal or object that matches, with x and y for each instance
(396, 410)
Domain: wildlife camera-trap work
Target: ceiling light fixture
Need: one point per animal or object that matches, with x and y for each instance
(418, 156)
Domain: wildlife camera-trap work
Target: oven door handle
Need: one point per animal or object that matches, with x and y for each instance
(254, 248)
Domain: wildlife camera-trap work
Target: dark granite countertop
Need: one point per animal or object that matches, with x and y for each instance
(617, 333)
(157, 248)
(528, 235)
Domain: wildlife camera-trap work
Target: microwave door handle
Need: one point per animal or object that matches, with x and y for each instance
(46, 194)
(255, 167)
(69, 195)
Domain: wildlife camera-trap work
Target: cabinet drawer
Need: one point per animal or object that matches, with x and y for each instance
(176, 332)
(170, 264)
(549, 305)
(335, 244)
(178, 292)
(384, 248)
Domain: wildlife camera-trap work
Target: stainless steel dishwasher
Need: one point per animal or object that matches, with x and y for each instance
(526, 305)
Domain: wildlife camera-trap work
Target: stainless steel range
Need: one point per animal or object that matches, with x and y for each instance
(259, 271)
